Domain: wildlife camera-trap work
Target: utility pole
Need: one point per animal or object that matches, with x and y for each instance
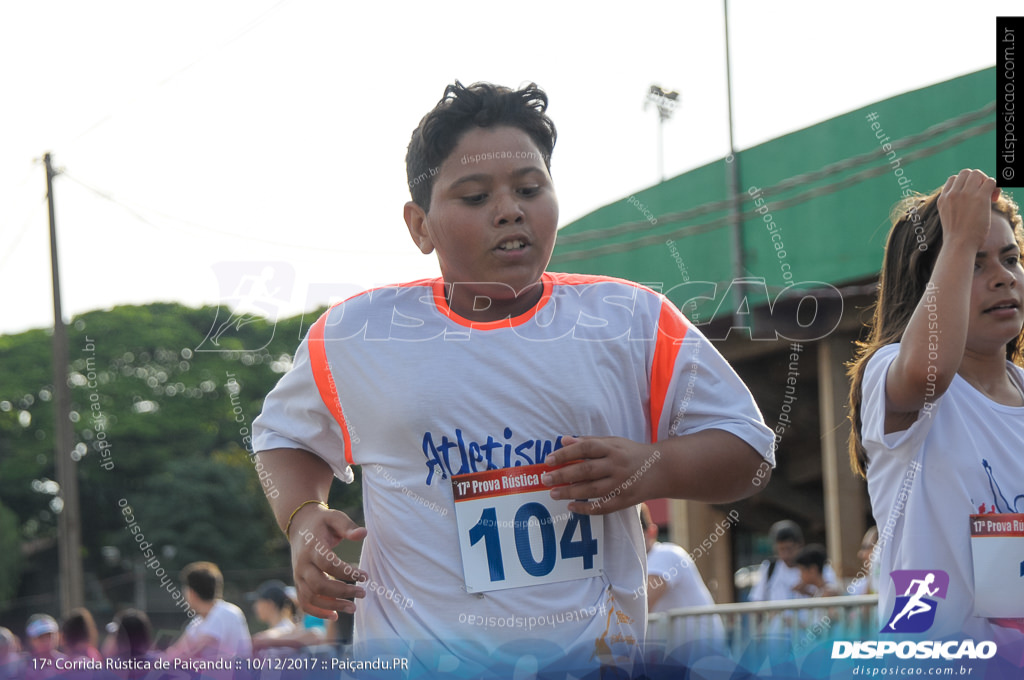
(733, 182)
(69, 530)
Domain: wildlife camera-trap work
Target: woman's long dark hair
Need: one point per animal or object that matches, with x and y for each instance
(910, 253)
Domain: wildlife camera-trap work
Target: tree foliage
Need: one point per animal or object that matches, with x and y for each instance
(161, 415)
(10, 554)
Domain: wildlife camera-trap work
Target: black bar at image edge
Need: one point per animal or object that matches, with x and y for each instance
(1009, 158)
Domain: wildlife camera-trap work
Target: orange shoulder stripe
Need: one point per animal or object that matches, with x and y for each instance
(672, 329)
(325, 381)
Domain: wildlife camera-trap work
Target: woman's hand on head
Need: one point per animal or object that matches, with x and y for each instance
(965, 207)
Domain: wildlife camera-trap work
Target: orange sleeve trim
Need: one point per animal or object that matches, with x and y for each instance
(672, 328)
(325, 381)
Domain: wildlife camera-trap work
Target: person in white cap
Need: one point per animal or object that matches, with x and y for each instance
(274, 609)
(275, 606)
(41, 633)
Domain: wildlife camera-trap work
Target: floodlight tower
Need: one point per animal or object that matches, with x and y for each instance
(665, 101)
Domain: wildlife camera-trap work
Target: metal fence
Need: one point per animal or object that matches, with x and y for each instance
(798, 623)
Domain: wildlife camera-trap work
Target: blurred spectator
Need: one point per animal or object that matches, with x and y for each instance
(79, 636)
(131, 636)
(811, 562)
(219, 629)
(275, 606)
(12, 664)
(673, 582)
(779, 577)
(41, 634)
(130, 639)
(866, 579)
(276, 610)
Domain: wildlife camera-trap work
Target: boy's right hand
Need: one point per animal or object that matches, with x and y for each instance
(965, 207)
(324, 583)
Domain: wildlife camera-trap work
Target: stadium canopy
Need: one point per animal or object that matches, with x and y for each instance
(827, 191)
(814, 211)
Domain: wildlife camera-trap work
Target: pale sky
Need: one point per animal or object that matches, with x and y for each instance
(232, 138)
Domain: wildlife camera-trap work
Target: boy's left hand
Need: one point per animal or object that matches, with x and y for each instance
(614, 473)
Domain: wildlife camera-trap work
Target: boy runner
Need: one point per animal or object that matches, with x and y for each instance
(458, 396)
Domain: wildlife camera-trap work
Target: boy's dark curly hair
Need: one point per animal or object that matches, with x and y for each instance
(461, 108)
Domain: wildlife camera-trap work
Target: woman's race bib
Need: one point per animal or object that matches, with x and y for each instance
(997, 548)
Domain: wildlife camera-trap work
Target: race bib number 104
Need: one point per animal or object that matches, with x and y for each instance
(512, 533)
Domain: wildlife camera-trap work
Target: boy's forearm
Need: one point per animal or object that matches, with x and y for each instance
(298, 476)
(711, 466)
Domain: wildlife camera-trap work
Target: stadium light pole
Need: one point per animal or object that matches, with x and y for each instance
(665, 101)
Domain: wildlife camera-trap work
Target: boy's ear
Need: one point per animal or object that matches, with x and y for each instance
(416, 221)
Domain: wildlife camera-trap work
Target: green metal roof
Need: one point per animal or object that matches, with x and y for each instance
(828, 190)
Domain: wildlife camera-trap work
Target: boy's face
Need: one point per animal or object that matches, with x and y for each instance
(809, 574)
(787, 551)
(492, 220)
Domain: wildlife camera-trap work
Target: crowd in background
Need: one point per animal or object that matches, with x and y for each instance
(217, 630)
(798, 570)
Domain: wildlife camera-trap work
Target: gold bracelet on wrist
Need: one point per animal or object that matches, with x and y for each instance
(287, 527)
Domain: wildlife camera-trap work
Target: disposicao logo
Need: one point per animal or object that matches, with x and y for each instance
(914, 611)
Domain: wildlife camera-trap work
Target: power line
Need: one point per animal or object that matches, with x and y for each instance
(204, 229)
(25, 227)
(108, 197)
(30, 214)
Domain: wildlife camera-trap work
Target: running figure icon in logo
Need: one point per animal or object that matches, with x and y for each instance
(916, 586)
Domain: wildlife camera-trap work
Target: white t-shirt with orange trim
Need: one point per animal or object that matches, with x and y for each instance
(393, 380)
